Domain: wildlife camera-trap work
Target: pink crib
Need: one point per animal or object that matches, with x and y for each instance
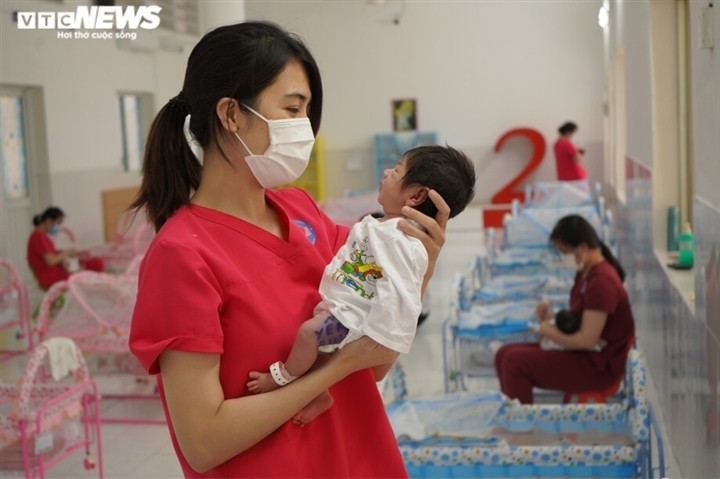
(95, 313)
(132, 239)
(14, 310)
(47, 417)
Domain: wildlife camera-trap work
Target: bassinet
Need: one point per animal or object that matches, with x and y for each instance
(532, 226)
(558, 194)
(96, 313)
(14, 311)
(42, 420)
(487, 435)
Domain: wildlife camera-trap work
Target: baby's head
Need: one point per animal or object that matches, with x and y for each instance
(441, 168)
(567, 321)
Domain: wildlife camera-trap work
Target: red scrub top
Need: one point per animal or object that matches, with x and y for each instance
(214, 283)
(39, 244)
(602, 290)
(567, 168)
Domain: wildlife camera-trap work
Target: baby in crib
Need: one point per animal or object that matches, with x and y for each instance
(568, 322)
(373, 285)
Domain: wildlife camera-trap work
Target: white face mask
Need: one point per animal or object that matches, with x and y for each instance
(568, 261)
(291, 142)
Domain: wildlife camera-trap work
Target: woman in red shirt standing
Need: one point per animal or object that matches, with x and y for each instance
(235, 266)
(599, 297)
(49, 264)
(568, 157)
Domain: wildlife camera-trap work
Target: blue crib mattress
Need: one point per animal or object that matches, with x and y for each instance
(518, 287)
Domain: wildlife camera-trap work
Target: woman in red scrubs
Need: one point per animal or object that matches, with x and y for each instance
(235, 266)
(599, 297)
(568, 157)
(47, 262)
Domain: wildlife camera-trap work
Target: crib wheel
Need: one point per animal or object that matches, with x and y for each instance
(89, 463)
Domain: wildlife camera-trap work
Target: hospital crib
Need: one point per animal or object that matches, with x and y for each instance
(558, 194)
(14, 312)
(483, 435)
(52, 412)
(489, 309)
(96, 314)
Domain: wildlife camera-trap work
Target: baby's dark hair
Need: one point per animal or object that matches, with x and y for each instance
(567, 321)
(443, 169)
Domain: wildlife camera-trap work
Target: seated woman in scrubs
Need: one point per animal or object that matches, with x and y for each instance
(599, 298)
(373, 285)
(49, 264)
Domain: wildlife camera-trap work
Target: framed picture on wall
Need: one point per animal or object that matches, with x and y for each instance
(404, 115)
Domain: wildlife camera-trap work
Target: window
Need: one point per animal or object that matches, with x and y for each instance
(14, 158)
(136, 116)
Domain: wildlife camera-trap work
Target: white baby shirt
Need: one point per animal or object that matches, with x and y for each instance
(373, 285)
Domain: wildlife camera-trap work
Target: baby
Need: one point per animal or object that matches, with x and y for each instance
(373, 285)
(568, 322)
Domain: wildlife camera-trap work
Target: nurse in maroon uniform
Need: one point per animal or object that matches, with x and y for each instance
(235, 266)
(599, 297)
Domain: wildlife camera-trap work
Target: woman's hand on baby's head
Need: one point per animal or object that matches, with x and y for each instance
(433, 237)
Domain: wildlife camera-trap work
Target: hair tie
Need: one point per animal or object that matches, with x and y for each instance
(178, 104)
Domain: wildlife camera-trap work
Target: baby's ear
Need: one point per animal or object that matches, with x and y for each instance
(418, 197)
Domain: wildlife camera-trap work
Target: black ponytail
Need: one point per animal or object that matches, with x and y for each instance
(51, 212)
(171, 173)
(610, 258)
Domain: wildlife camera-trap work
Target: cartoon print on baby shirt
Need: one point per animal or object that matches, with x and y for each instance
(359, 273)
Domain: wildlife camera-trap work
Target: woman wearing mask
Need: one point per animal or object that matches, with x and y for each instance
(49, 264)
(599, 297)
(234, 270)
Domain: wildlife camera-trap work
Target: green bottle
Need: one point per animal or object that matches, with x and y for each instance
(686, 243)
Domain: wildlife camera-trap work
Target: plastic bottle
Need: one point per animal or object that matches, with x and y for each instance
(686, 243)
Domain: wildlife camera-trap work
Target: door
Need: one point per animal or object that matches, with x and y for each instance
(16, 188)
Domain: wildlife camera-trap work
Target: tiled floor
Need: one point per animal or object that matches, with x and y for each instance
(144, 451)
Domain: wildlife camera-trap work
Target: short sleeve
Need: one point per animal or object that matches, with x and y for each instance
(601, 294)
(178, 305)
(41, 244)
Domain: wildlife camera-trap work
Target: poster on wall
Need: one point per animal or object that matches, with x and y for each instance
(404, 115)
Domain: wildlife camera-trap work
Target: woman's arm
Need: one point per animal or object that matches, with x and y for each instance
(211, 429)
(433, 237)
(591, 327)
(53, 259)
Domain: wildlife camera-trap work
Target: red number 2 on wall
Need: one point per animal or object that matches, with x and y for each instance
(492, 218)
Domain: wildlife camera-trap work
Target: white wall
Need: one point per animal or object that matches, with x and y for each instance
(80, 79)
(476, 68)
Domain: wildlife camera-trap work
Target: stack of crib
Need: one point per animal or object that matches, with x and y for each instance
(493, 305)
